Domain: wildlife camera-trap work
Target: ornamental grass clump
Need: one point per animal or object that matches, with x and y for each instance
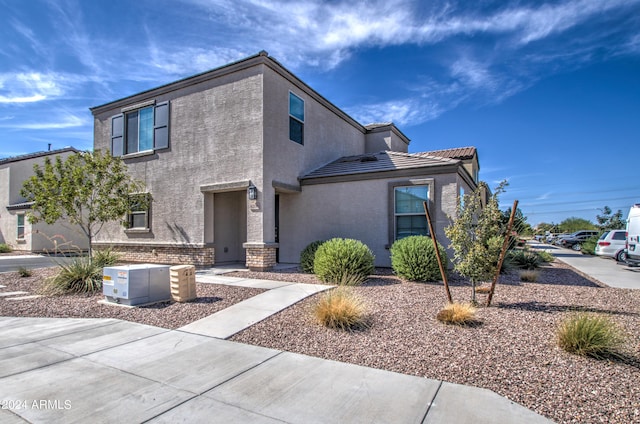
(343, 260)
(414, 259)
(458, 314)
(590, 335)
(4, 248)
(82, 275)
(105, 257)
(341, 309)
(529, 275)
(308, 256)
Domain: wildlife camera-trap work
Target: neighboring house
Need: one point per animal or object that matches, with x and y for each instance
(15, 229)
(247, 163)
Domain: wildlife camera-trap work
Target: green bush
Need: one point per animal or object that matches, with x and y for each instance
(343, 261)
(106, 257)
(4, 248)
(414, 258)
(24, 272)
(590, 335)
(308, 255)
(588, 247)
(523, 259)
(545, 256)
(79, 276)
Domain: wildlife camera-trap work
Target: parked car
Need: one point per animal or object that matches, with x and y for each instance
(633, 235)
(613, 244)
(574, 240)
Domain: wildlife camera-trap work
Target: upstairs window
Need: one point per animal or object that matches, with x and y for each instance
(296, 119)
(20, 234)
(410, 219)
(141, 130)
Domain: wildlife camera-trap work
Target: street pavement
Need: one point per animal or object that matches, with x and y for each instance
(605, 270)
(14, 263)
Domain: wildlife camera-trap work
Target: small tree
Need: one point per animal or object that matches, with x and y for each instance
(573, 224)
(610, 221)
(87, 190)
(477, 235)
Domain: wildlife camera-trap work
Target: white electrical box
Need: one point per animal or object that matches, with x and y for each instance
(136, 284)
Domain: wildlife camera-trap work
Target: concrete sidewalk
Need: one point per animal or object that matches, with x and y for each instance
(229, 321)
(106, 370)
(605, 270)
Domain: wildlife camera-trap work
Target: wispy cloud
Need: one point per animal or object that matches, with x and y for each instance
(28, 87)
(334, 31)
(65, 120)
(401, 112)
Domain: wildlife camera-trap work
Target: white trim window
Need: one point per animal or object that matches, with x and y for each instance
(409, 216)
(138, 217)
(296, 119)
(20, 226)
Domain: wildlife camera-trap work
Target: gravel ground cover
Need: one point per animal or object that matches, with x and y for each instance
(211, 298)
(512, 351)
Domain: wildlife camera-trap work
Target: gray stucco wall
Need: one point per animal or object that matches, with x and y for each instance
(359, 210)
(229, 129)
(326, 138)
(38, 237)
(215, 137)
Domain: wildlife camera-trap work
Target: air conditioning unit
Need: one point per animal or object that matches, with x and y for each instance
(136, 284)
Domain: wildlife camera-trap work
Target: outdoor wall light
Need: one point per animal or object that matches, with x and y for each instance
(253, 192)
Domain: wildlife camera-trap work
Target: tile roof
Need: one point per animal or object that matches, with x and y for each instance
(457, 153)
(377, 162)
(36, 155)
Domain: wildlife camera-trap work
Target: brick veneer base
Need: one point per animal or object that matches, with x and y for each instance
(261, 258)
(173, 255)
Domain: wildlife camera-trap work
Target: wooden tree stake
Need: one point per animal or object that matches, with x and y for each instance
(505, 245)
(435, 245)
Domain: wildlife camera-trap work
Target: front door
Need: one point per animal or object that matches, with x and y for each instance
(230, 226)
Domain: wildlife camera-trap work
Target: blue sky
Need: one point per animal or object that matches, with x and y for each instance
(548, 91)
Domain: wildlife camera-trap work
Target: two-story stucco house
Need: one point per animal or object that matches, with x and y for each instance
(15, 228)
(247, 163)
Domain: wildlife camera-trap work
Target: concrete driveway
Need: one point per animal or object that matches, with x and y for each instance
(13, 263)
(605, 270)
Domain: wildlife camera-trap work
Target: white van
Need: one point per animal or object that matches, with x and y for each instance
(633, 235)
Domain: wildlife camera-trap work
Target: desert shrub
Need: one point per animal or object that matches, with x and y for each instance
(529, 275)
(308, 255)
(589, 335)
(4, 248)
(457, 313)
(414, 258)
(341, 309)
(523, 259)
(588, 247)
(545, 256)
(338, 260)
(105, 257)
(24, 272)
(483, 289)
(79, 276)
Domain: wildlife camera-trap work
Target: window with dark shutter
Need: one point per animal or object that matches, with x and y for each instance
(145, 129)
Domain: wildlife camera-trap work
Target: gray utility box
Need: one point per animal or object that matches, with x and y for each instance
(136, 284)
